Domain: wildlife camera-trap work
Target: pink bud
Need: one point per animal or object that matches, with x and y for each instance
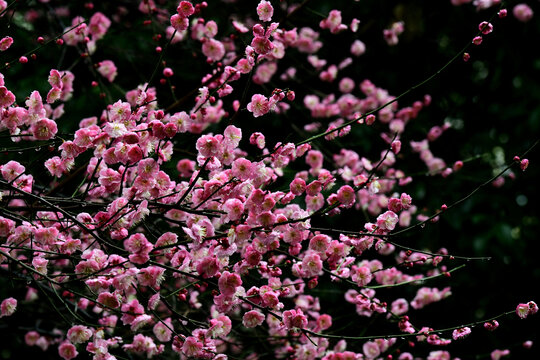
(370, 119)
(485, 27)
(477, 40)
(524, 164)
(457, 165)
(168, 72)
(491, 325)
(290, 95)
(396, 146)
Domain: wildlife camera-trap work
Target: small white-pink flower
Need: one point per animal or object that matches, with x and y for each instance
(312, 264)
(522, 12)
(252, 318)
(67, 351)
(213, 49)
(8, 307)
(265, 10)
(259, 105)
(387, 221)
(362, 276)
(107, 69)
(371, 350)
(461, 333)
(79, 334)
(522, 310)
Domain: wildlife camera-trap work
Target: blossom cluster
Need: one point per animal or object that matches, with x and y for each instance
(161, 251)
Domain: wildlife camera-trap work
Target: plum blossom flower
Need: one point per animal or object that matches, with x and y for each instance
(533, 308)
(151, 276)
(362, 276)
(425, 296)
(163, 330)
(8, 307)
(220, 327)
(6, 97)
(259, 105)
(107, 69)
(185, 8)
(148, 168)
(346, 196)
(234, 209)
(109, 300)
(262, 45)
(371, 350)
(140, 321)
(524, 164)
(391, 34)
(333, 22)
(5, 43)
(491, 325)
(523, 12)
(11, 170)
(213, 49)
(208, 146)
(257, 139)
(312, 264)
(297, 186)
(40, 264)
(44, 129)
(522, 310)
(252, 318)
(387, 221)
(54, 94)
(228, 282)
(461, 333)
(358, 48)
(98, 26)
(191, 346)
(265, 10)
(79, 334)
(6, 226)
(485, 27)
(439, 355)
(497, 354)
(294, 319)
(143, 344)
(179, 23)
(67, 351)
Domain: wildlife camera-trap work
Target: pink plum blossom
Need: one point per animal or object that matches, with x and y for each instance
(252, 318)
(265, 10)
(523, 12)
(8, 307)
(108, 70)
(387, 221)
(5, 43)
(67, 351)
